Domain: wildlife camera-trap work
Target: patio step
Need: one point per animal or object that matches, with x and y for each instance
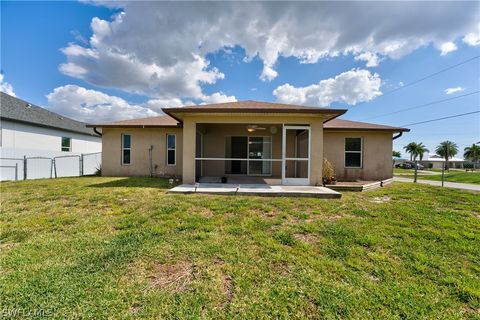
(257, 190)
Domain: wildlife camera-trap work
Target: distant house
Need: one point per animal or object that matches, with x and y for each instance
(29, 131)
(257, 142)
(436, 162)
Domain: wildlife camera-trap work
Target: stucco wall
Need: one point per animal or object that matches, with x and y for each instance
(377, 149)
(142, 139)
(376, 153)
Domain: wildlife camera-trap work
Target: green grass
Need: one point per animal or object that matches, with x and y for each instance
(400, 171)
(124, 248)
(453, 176)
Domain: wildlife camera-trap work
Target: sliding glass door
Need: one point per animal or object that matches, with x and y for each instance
(259, 148)
(249, 151)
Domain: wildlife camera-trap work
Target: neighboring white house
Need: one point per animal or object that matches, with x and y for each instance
(31, 131)
(438, 161)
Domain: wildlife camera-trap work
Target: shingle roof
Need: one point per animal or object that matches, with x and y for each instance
(15, 109)
(250, 106)
(167, 121)
(247, 104)
(340, 124)
(151, 122)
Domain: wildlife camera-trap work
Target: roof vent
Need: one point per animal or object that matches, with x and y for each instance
(29, 105)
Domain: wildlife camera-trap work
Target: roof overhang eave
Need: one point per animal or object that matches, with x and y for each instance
(140, 126)
(50, 126)
(368, 129)
(177, 113)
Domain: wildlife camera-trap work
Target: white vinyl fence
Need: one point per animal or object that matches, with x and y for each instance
(50, 167)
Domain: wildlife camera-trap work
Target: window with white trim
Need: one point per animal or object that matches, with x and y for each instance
(353, 152)
(66, 144)
(171, 149)
(126, 149)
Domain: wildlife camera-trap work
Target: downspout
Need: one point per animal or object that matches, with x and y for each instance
(96, 131)
(150, 158)
(397, 136)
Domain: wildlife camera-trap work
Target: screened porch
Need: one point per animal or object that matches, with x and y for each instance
(252, 153)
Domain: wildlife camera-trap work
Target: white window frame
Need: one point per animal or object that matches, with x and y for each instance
(345, 153)
(69, 144)
(169, 149)
(129, 149)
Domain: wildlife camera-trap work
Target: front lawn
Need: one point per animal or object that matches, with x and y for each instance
(453, 176)
(400, 171)
(124, 248)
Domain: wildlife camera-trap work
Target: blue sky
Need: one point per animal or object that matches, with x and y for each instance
(238, 66)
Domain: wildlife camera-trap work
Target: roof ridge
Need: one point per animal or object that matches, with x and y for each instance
(41, 109)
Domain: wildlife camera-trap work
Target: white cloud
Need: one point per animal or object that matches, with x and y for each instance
(350, 87)
(371, 59)
(447, 47)
(454, 90)
(5, 86)
(473, 38)
(218, 97)
(160, 48)
(93, 106)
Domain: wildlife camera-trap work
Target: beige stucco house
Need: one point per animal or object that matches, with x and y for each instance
(249, 140)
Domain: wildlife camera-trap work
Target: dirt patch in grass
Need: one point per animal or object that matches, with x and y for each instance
(135, 308)
(227, 290)
(206, 212)
(281, 268)
(227, 284)
(380, 199)
(340, 216)
(469, 311)
(306, 237)
(10, 245)
(373, 278)
(266, 213)
(292, 220)
(174, 277)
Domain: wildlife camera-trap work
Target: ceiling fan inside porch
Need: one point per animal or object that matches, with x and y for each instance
(253, 127)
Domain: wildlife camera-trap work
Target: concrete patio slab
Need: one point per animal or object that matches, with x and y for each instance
(257, 190)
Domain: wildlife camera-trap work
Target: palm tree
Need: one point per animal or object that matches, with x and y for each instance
(447, 149)
(415, 150)
(472, 153)
(410, 148)
(421, 149)
(396, 154)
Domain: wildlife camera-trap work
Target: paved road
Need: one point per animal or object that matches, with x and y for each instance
(464, 186)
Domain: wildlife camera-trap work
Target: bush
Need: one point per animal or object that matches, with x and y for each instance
(430, 165)
(328, 172)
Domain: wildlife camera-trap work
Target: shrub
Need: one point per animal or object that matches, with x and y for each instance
(328, 172)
